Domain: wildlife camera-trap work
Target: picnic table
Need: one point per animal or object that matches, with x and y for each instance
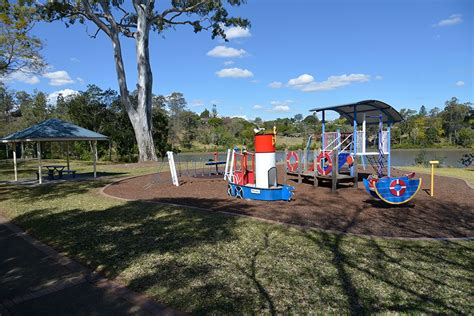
(52, 168)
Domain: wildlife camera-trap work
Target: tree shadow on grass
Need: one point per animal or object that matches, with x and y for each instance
(399, 276)
(205, 262)
(155, 249)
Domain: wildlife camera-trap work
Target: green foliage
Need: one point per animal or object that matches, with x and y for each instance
(19, 50)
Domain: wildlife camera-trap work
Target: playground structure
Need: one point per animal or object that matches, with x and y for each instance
(344, 150)
(254, 175)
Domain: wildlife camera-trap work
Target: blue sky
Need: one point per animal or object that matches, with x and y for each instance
(297, 55)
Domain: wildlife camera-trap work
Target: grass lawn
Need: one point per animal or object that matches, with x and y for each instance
(461, 173)
(27, 168)
(203, 262)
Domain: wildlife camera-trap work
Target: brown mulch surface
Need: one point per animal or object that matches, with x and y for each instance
(450, 213)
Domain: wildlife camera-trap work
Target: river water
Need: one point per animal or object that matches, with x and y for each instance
(400, 157)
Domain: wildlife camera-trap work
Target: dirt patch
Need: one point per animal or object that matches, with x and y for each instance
(449, 214)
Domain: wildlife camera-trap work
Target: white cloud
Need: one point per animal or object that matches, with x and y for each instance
(74, 59)
(21, 76)
(229, 62)
(452, 20)
(240, 116)
(275, 84)
(234, 73)
(197, 102)
(281, 106)
(53, 96)
(306, 82)
(222, 51)
(460, 83)
(236, 32)
(58, 78)
(301, 80)
(257, 107)
(80, 80)
(378, 77)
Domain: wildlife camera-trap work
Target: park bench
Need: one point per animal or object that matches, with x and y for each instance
(51, 174)
(73, 172)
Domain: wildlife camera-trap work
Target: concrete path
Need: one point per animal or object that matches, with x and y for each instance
(35, 279)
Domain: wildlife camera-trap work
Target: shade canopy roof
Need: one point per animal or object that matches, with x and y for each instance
(372, 109)
(53, 130)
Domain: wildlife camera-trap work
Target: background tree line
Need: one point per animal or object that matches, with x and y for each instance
(177, 128)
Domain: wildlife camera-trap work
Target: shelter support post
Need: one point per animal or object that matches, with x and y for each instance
(67, 155)
(14, 162)
(389, 158)
(22, 151)
(364, 139)
(323, 130)
(354, 138)
(94, 153)
(38, 149)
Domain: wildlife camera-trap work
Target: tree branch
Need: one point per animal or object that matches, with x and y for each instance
(163, 15)
(95, 18)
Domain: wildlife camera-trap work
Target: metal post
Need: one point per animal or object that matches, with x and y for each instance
(286, 165)
(364, 139)
(323, 130)
(433, 163)
(338, 137)
(354, 138)
(335, 164)
(22, 151)
(14, 162)
(94, 148)
(356, 172)
(300, 180)
(38, 149)
(315, 170)
(389, 158)
(305, 158)
(67, 155)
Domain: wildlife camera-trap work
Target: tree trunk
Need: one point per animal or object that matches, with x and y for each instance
(141, 116)
(144, 128)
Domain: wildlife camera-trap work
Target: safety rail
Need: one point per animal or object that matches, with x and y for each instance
(339, 143)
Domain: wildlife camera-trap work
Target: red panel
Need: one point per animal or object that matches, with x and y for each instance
(251, 177)
(265, 143)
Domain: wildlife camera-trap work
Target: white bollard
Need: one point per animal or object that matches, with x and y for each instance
(227, 164)
(174, 174)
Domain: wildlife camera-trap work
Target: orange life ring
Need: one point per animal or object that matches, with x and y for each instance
(398, 187)
(349, 160)
(324, 163)
(292, 166)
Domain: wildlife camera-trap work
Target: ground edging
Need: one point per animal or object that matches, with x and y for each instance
(297, 226)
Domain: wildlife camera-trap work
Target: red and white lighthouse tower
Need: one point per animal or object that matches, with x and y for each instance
(265, 161)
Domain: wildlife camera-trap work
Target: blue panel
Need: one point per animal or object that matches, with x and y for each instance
(279, 193)
(409, 186)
